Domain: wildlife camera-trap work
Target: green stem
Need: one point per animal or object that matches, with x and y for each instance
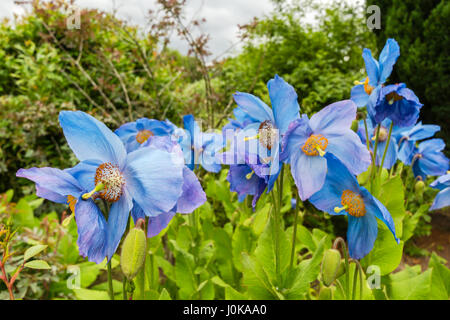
(341, 241)
(374, 157)
(110, 285)
(275, 213)
(386, 148)
(124, 288)
(367, 135)
(294, 235)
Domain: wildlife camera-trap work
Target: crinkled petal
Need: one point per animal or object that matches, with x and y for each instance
(295, 137)
(193, 195)
(253, 106)
(92, 230)
(361, 235)
(91, 139)
(284, 102)
(387, 59)
(371, 67)
(334, 118)
(52, 184)
(309, 173)
(85, 172)
(359, 96)
(441, 183)
(158, 223)
(442, 199)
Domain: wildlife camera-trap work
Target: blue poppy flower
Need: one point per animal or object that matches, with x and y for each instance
(428, 159)
(328, 131)
(133, 134)
(342, 195)
(408, 136)
(392, 152)
(397, 103)
(151, 178)
(200, 147)
(61, 187)
(191, 198)
(366, 92)
(443, 197)
(266, 124)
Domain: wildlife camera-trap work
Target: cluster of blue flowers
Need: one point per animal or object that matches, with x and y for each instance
(146, 167)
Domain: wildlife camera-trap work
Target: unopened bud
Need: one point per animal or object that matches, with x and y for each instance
(325, 293)
(330, 266)
(419, 188)
(133, 253)
(355, 125)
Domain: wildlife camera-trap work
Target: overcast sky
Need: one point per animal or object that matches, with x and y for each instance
(222, 17)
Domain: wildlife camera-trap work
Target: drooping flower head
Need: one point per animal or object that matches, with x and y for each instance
(383, 136)
(428, 159)
(267, 125)
(151, 178)
(200, 148)
(191, 198)
(442, 199)
(408, 136)
(365, 93)
(397, 103)
(328, 131)
(342, 195)
(134, 134)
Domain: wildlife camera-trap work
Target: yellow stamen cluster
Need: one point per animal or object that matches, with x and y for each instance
(143, 136)
(354, 203)
(393, 96)
(71, 201)
(315, 145)
(267, 134)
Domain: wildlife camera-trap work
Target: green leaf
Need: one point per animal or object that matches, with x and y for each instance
(87, 294)
(412, 288)
(440, 285)
(25, 217)
(386, 253)
(34, 250)
(241, 242)
(392, 196)
(164, 295)
(37, 264)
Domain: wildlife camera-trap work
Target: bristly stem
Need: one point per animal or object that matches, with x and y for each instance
(374, 158)
(386, 148)
(294, 234)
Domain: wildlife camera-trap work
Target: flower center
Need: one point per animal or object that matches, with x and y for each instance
(353, 203)
(112, 180)
(267, 134)
(143, 136)
(71, 201)
(382, 136)
(392, 97)
(367, 87)
(315, 145)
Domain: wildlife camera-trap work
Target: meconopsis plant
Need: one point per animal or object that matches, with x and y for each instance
(353, 160)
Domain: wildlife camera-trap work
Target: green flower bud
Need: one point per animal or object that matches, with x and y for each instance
(325, 293)
(341, 270)
(419, 188)
(134, 249)
(330, 266)
(355, 125)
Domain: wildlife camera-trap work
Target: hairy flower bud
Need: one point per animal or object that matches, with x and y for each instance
(134, 249)
(325, 293)
(330, 266)
(419, 188)
(355, 125)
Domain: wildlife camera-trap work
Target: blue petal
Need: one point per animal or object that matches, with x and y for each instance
(117, 222)
(126, 131)
(193, 195)
(387, 59)
(337, 180)
(420, 132)
(158, 223)
(309, 173)
(334, 118)
(361, 235)
(359, 96)
(441, 183)
(254, 107)
(433, 163)
(375, 207)
(137, 212)
(371, 68)
(295, 137)
(284, 102)
(52, 184)
(91, 139)
(154, 179)
(405, 151)
(442, 200)
(85, 172)
(391, 154)
(92, 230)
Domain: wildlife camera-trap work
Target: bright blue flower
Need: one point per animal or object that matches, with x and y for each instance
(443, 197)
(428, 159)
(397, 103)
(342, 195)
(328, 131)
(200, 147)
(366, 93)
(408, 136)
(59, 186)
(392, 152)
(151, 178)
(191, 198)
(133, 134)
(266, 124)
